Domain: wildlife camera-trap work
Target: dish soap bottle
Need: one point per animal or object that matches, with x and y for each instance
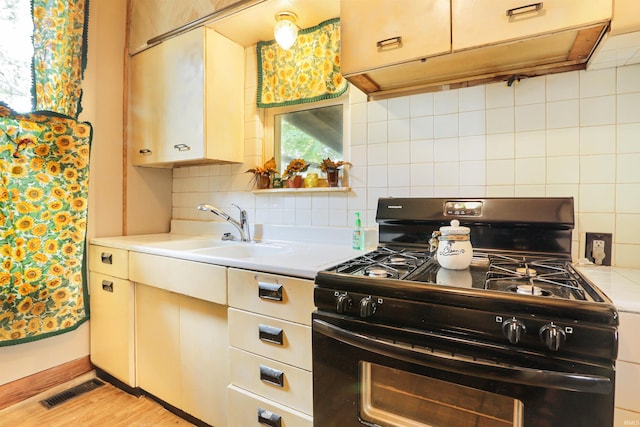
(357, 241)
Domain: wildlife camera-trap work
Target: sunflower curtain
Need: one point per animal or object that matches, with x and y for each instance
(44, 171)
(59, 41)
(309, 71)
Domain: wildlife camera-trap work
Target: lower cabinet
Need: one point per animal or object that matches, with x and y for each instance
(111, 299)
(235, 352)
(112, 333)
(270, 350)
(182, 352)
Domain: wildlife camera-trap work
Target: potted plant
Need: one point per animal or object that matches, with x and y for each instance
(332, 168)
(293, 171)
(262, 175)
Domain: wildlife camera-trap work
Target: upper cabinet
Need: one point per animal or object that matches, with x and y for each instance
(378, 33)
(489, 41)
(187, 101)
(149, 19)
(478, 23)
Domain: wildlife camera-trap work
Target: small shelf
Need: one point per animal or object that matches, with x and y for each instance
(304, 190)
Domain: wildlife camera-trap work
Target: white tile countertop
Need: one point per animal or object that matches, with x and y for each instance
(288, 250)
(621, 285)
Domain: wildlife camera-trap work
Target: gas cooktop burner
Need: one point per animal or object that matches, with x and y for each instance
(546, 277)
(384, 262)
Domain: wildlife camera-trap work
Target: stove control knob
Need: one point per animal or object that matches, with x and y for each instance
(343, 303)
(367, 307)
(553, 336)
(513, 329)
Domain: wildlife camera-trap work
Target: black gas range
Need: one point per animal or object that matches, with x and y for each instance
(520, 305)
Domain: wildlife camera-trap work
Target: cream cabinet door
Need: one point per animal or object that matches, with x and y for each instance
(187, 101)
(480, 22)
(379, 33)
(184, 93)
(157, 343)
(146, 97)
(204, 98)
(204, 360)
(112, 326)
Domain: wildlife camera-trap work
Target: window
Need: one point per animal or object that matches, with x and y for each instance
(16, 53)
(307, 131)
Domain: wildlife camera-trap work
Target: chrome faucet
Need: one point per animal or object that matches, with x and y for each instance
(242, 225)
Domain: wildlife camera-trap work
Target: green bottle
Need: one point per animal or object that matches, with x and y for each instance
(357, 241)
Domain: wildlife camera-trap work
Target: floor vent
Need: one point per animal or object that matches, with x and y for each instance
(63, 396)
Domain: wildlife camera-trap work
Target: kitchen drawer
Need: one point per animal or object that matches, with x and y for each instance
(296, 385)
(627, 380)
(283, 297)
(478, 23)
(110, 261)
(245, 408)
(628, 343)
(112, 306)
(269, 337)
(194, 279)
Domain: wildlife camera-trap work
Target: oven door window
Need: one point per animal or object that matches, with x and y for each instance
(393, 398)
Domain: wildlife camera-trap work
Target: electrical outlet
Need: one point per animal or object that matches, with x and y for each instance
(598, 248)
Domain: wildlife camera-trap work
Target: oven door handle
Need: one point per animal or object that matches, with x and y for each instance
(467, 366)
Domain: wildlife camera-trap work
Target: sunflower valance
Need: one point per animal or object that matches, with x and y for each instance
(44, 172)
(309, 71)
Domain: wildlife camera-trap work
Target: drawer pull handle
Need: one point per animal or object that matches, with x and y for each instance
(145, 151)
(393, 41)
(182, 147)
(106, 258)
(268, 418)
(270, 291)
(272, 376)
(270, 334)
(107, 286)
(533, 7)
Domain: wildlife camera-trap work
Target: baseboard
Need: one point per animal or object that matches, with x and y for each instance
(24, 388)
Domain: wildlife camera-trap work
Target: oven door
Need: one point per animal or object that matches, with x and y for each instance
(380, 376)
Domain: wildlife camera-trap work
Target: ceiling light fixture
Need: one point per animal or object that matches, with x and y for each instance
(286, 29)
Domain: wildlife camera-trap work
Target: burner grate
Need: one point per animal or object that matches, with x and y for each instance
(546, 277)
(384, 262)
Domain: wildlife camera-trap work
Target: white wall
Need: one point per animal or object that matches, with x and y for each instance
(571, 134)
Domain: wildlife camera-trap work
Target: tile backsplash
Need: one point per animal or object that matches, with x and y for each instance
(571, 134)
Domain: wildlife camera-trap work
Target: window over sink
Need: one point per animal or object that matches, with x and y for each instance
(312, 132)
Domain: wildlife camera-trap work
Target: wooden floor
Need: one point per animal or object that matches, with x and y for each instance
(104, 406)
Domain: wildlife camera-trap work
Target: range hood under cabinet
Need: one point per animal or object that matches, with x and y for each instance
(430, 45)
